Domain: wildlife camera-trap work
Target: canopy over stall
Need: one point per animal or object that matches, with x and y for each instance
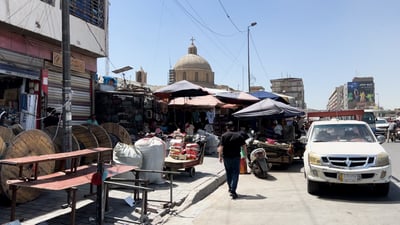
(207, 101)
(238, 97)
(181, 88)
(265, 94)
(269, 108)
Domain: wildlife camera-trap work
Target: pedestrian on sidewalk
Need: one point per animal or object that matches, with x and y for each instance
(229, 153)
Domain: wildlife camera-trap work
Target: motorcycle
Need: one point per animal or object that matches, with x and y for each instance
(395, 135)
(258, 160)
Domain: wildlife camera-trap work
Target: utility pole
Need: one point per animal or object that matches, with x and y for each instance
(248, 52)
(67, 93)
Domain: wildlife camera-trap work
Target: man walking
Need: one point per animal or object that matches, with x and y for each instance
(229, 153)
(391, 131)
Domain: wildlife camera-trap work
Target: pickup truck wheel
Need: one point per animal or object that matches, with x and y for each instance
(312, 187)
(382, 189)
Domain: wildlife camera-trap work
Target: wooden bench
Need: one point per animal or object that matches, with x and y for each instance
(67, 179)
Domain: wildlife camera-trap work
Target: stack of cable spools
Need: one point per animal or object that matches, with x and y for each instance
(16, 142)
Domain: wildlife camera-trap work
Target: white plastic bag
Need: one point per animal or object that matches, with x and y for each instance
(128, 155)
(153, 151)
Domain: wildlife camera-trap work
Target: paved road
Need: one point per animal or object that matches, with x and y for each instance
(283, 199)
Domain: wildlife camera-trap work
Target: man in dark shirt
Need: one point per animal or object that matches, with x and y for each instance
(229, 152)
(296, 127)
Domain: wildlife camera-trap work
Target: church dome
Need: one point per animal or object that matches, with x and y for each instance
(193, 68)
(192, 61)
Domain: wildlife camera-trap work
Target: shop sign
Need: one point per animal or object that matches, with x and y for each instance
(76, 64)
(45, 81)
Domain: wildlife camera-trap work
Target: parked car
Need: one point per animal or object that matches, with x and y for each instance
(381, 126)
(345, 152)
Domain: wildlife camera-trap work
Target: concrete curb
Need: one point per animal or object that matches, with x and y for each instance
(196, 195)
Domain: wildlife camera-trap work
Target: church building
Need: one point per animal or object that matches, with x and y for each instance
(193, 68)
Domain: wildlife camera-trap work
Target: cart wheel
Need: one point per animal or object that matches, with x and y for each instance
(191, 171)
(167, 175)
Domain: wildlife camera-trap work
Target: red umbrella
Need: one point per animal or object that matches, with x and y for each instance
(207, 101)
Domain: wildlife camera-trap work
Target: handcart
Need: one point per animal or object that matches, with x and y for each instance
(187, 165)
(278, 154)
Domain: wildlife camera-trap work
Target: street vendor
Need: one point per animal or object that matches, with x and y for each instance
(189, 128)
(278, 129)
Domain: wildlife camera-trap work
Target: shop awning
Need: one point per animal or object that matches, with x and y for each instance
(6, 69)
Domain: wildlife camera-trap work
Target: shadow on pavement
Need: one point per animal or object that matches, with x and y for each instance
(359, 193)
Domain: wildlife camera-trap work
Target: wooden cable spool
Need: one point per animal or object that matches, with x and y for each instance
(17, 128)
(102, 137)
(27, 143)
(7, 134)
(118, 131)
(56, 135)
(86, 139)
(3, 147)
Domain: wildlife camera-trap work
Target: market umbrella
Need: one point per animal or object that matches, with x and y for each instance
(206, 101)
(181, 88)
(269, 108)
(236, 97)
(265, 94)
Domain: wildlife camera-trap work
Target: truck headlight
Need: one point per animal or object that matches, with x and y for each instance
(314, 159)
(382, 159)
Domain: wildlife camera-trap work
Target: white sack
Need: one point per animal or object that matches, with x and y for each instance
(128, 155)
(153, 151)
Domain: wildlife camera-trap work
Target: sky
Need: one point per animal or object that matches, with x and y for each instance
(326, 43)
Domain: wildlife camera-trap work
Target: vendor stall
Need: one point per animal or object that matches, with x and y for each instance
(280, 149)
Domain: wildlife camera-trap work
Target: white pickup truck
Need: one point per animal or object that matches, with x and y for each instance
(345, 152)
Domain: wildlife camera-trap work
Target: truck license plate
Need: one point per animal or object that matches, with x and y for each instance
(349, 177)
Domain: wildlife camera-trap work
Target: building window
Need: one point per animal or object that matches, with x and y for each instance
(207, 78)
(91, 11)
(184, 76)
(196, 76)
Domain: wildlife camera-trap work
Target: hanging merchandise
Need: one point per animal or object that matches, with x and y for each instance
(28, 111)
(210, 115)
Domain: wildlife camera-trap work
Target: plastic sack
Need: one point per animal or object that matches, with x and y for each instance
(128, 155)
(153, 151)
(212, 142)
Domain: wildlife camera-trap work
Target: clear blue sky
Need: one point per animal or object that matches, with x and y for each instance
(326, 43)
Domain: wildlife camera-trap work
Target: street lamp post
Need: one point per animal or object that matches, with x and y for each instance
(248, 52)
(377, 94)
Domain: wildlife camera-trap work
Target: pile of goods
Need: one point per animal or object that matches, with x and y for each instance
(183, 151)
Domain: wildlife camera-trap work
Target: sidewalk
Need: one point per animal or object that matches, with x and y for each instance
(46, 210)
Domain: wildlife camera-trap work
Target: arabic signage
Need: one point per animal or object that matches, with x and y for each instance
(76, 64)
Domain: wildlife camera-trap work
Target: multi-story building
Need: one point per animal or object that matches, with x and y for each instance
(293, 87)
(357, 94)
(31, 76)
(336, 100)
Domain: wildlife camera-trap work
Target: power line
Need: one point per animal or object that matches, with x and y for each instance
(201, 26)
(230, 19)
(199, 22)
(258, 57)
